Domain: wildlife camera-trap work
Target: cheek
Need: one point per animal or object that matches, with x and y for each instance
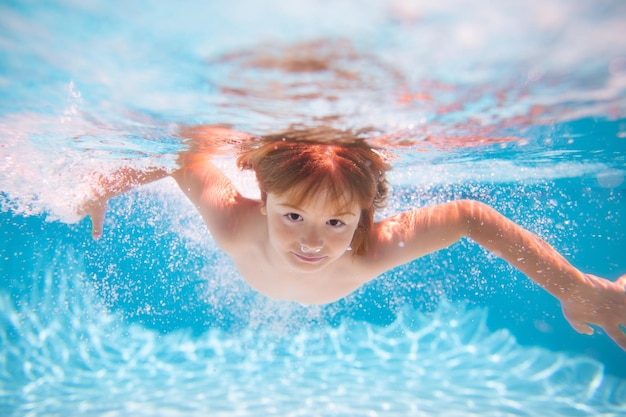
(280, 232)
(343, 240)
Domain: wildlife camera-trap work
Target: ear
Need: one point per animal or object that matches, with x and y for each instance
(263, 203)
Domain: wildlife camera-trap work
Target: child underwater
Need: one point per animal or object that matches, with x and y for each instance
(312, 238)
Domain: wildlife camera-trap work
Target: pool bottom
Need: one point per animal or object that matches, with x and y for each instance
(64, 355)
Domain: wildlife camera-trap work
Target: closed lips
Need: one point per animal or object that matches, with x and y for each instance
(309, 258)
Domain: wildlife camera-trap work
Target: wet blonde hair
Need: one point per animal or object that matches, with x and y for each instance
(305, 162)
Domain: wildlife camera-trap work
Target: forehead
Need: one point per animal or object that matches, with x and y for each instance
(320, 201)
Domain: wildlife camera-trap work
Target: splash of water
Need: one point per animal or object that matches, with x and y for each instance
(104, 98)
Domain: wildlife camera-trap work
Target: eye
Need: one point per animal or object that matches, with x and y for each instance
(294, 217)
(335, 223)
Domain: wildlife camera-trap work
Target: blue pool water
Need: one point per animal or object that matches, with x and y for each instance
(519, 105)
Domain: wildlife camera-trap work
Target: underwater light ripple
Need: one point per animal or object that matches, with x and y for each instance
(421, 364)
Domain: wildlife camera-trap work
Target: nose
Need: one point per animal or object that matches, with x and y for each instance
(307, 250)
(311, 242)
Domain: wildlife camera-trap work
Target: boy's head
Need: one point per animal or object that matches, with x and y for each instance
(307, 163)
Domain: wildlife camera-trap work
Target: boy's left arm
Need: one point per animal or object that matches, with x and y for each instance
(585, 299)
(599, 302)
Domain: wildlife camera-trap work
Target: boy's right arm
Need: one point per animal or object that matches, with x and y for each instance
(224, 210)
(205, 185)
(106, 187)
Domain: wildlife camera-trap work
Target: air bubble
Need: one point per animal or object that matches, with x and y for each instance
(610, 178)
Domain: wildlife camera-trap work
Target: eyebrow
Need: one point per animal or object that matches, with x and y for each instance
(343, 213)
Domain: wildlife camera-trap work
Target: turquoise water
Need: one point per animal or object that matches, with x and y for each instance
(522, 106)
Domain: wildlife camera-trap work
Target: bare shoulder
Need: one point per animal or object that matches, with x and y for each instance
(229, 216)
(237, 226)
(409, 235)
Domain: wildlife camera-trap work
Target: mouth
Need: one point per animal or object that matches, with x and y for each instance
(309, 259)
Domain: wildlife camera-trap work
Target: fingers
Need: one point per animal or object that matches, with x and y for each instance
(621, 281)
(97, 221)
(614, 332)
(580, 326)
(617, 334)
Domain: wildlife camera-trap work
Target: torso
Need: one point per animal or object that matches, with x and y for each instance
(239, 228)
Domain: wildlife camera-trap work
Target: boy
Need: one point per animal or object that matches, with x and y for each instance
(312, 237)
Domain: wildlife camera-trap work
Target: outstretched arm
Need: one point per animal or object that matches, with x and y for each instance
(203, 183)
(585, 299)
(106, 187)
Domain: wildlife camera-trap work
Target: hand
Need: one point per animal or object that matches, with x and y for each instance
(96, 209)
(599, 302)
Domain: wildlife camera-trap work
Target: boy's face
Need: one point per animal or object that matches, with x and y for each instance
(313, 234)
